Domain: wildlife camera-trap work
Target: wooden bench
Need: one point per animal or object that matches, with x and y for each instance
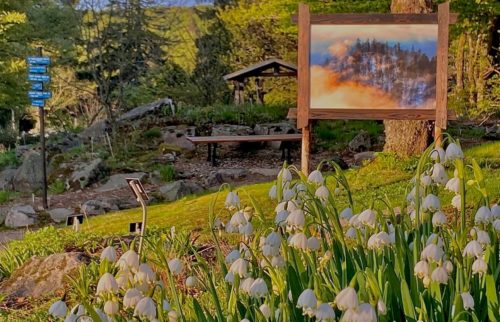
(212, 142)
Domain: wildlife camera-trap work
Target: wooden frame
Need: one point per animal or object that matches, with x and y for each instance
(305, 113)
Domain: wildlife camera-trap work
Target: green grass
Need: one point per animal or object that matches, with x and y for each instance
(8, 158)
(335, 135)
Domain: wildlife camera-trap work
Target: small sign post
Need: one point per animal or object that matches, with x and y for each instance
(37, 69)
(141, 196)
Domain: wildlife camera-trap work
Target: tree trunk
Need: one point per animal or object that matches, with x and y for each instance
(407, 138)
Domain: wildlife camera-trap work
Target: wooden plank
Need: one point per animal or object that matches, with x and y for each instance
(244, 138)
(442, 66)
(303, 72)
(372, 114)
(374, 18)
(305, 150)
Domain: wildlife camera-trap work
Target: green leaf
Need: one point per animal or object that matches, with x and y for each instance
(492, 298)
(408, 306)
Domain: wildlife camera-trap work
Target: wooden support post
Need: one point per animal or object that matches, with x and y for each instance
(305, 149)
(442, 71)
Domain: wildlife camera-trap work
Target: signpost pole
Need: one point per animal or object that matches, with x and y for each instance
(42, 143)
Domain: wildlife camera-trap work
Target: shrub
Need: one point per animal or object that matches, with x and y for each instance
(8, 158)
(57, 187)
(4, 196)
(153, 133)
(167, 172)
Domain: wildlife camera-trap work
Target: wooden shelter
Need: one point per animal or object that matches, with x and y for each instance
(273, 67)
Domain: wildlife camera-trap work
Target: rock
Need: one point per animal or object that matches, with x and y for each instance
(62, 142)
(87, 173)
(143, 111)
(7, 179)
(96, 130)
(226, 176)
(43, 275)
(28, 177)
(178, 189)
(178, 137)
(274, 128)
(97, 207)
(272, 173)
(60, 214)
(122, 202)
(228, 129)
(21, 216)
(3, 214)
(21, 150)
(359, 158)
(118, 181)
(361, 142)
(492, 133)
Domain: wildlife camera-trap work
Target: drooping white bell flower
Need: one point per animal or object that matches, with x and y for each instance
(440, 275)
(453, 185)
(124, 278)
(229, 278)
(288, 194)
(173, 316)
(281, 218)
(307, 302)
(102, 316)
(58, 309)
(286, 175)
(269, 251)
(273, 194)
(165, 305)
(425, 180)
(245, 320)
(258, 288)
(431, 203)
(278, 261)
(479, 266)
(453, 152)
(434, 239)
(129, 260)
(266, 311)
(432, 252)
(439, 174)
(411, 196)
(111, 308)
(456, 202)
(366, 313)
(273, 239)
(351, 315)
(421, 269)
(467, 300)
(426, 281)
(381, 307)
(145, 308)
(496, 225)
(448, 265)
(131, 298)
(238, 219)
(325, 313)
(280, 207)
(175, 266)
(351, 233)
(316, 177)
(246, 230)
(483, 215)
(473, 249)
(483, 237)
(298, 241)
(145, 274)
(296, 219)
(347, 299)
(232, 256)
(239, 267)
(438, 219)
(346, 214)
(322, 193)
(246, 284)
(495, 211)
(438, 154)
(354, 221)
(300, 187)
(107, 284)
(368, 218)
(232, 200)
(313, 243)
(191, 282)
(109, 254)
(378, 240)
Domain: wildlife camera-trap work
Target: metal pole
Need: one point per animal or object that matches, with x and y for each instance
(144, 216)
(42, 143)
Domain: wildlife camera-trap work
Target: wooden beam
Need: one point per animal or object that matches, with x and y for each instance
(276, 75)
(442, 67)
(303, 70)
(305, 150)
(374, 18)
(371, 114)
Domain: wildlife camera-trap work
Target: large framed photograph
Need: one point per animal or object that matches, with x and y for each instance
(364, 66)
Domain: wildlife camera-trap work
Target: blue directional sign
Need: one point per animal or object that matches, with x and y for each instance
(39, 95)
(37, 69)
(39, 60)
(38, 103)
(38, 78)
(37, 86)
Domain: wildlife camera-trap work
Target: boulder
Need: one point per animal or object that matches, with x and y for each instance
(117, 181)
(98, 207)
(226, 176)
(85, 174)
(7, 179)
(361, 142)
(60, 214)
(3, 214)
(21, 150)
(177, 136)
(229, 129)
(492, 133)
(21, 216)
(122, 202)
(96, 130)
(271, 173)
(178, 189)
(28, 177)
(62, 142)
(43, 275)
(359, 158)
(143, 111)
(274, 128)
